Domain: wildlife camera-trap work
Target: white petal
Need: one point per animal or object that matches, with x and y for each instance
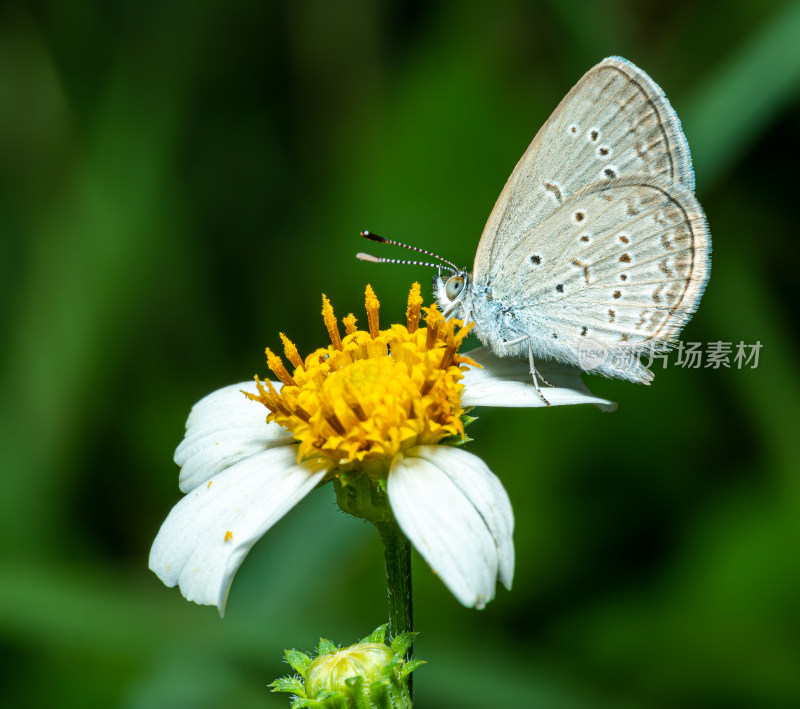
(485, 492)
(224, 404)
(506, 381)
(224, 428)
(445, 528)
(209, 532)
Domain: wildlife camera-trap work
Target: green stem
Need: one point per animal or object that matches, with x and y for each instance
(361, 497)
(397, 552)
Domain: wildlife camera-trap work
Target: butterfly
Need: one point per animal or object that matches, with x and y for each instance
(596, 240)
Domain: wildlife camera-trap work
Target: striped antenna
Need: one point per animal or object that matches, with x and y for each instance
(377, 259)
(381, 240)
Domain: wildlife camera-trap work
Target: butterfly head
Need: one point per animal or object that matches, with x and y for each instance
(451, 288)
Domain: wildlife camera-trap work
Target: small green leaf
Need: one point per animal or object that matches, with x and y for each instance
(379, 694)
(327, 694)
(326, 646)
(467, 420)
(332, 700)
(410, 666)
(298, 660)
(378, 635)
(457, 440)
(402, 642)
(308, 703)
(288, 684)
(356, 682)
(359, 693)
(392, 668)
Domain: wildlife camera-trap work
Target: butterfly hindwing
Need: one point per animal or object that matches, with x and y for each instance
(622, 264)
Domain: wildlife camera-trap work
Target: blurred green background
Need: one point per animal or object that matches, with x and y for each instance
(181, 181)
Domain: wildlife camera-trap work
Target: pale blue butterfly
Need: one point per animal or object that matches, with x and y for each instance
(597, 238)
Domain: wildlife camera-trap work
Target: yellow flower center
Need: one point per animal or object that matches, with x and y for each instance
(374, 393)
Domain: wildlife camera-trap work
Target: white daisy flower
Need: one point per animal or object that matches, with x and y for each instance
(378, 403)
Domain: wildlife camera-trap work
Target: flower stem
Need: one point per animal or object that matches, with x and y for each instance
(397, 551)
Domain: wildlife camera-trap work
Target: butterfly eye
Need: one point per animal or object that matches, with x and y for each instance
(454, 286)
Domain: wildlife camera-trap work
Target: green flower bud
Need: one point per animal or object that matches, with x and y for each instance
(329, 672)
(367, 675)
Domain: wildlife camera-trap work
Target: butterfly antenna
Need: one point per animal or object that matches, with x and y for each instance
(376, 259)
(382, 240)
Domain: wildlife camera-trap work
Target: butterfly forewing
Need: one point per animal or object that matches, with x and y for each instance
(615, 122)
(623, 263)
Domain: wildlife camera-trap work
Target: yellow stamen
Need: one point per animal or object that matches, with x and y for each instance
(330, 416)
(351, 399)
(350, 324)
(291, 351)
(301, 413)
(414, 305)
(330, 322)
(268, 396)
(433, 316)
(372, 306)
(275, 363)
(452, 347)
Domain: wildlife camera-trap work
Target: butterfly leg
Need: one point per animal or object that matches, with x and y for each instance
(536, 375)
(543, 380)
